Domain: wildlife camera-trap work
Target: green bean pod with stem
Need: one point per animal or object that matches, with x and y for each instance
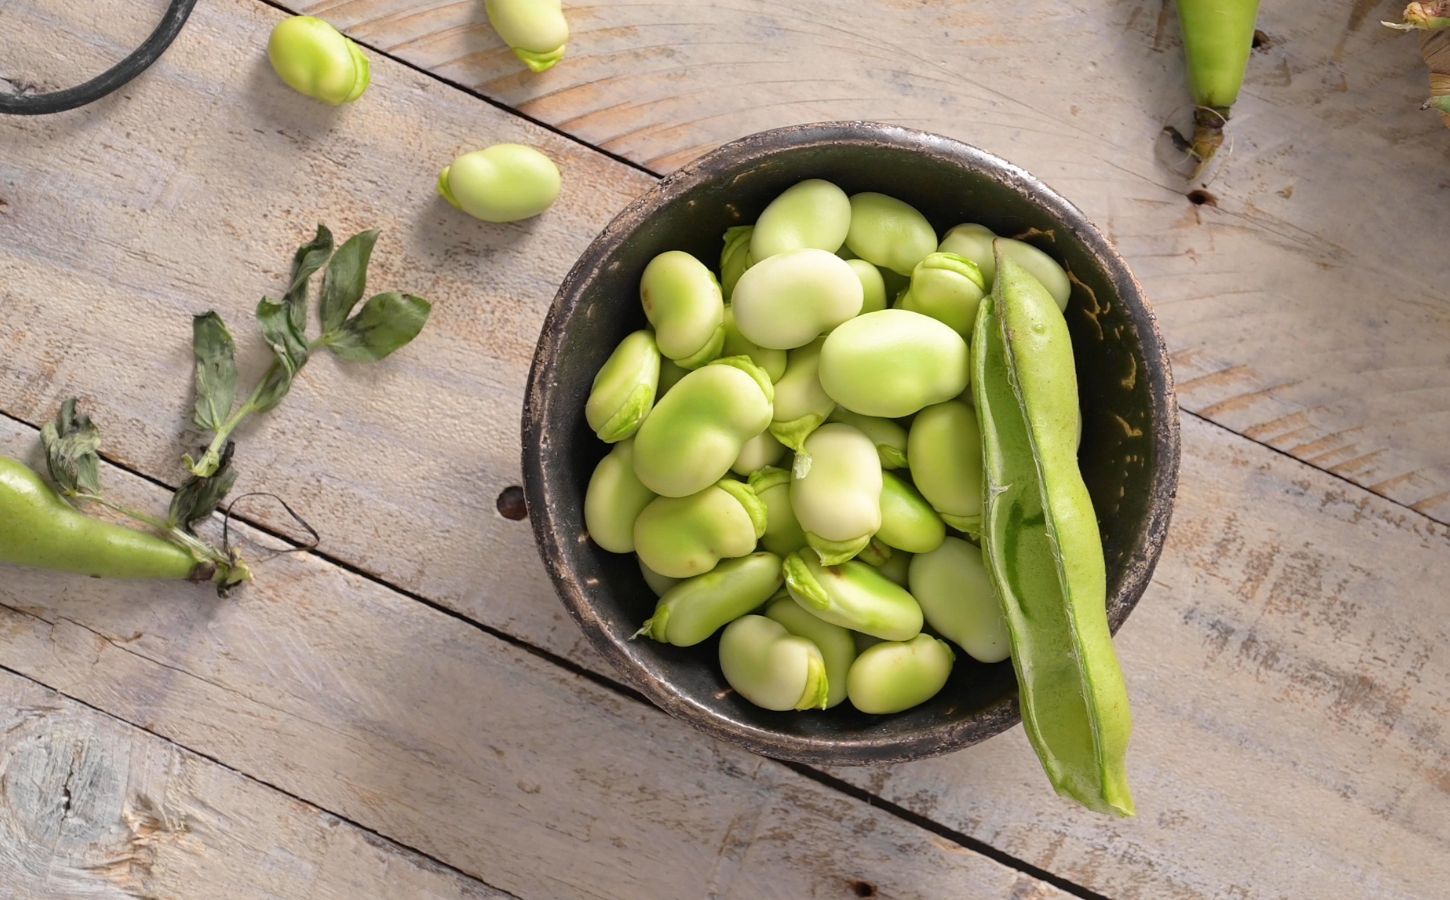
(1217, 38)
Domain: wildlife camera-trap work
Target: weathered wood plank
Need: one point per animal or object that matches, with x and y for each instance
(92, 807)
(1308, 309)
(478, 753)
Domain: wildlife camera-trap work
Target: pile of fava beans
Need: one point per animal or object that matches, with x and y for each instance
(795, 455)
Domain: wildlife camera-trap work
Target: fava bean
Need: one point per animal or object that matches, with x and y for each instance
(835, 491)
(873, 286)
(837, 647)
(892, 363)
(1044, 551)
(888, 436)
(801, 404)
(315, 59)
(810, 214)
(624, 388)
(696, 431)
(896, 675)
(682, 300)
(783, 535)
(502, 183)
(876, 553)
(889, 233)
(535, 30)
(944, 446)
(680, 537)
(614, 500)
(697, 607)
(958, 600)
(907, 521)
(791, 298)
(948, 288)
(737, 344)
(760, 451)
(853, 595)
(975, 243)
(735, 257)
(772, 668)
(656, 582)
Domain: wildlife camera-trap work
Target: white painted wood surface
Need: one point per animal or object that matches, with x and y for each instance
(1288, 667)
(1308, 310)
(91, 807)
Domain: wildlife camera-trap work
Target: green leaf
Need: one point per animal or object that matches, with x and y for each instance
(71, 442)
(310, 257)
(288, 344)
(198, 497)
(216, 371)
(385, 323)
(347, 276)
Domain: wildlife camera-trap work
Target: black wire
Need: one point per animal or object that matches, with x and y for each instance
(106, 82)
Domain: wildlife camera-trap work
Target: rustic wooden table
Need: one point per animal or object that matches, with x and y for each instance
(408, 712)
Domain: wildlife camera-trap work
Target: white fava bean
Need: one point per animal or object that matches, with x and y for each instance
(836, 492)
(791, 298)
(835, 643)
(892, 363)
(813, 213)
(771, 667)
(957, 598)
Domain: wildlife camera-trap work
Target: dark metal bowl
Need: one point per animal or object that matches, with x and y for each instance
(1129, 451)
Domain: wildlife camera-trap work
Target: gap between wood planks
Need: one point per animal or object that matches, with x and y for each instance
(958, 838)
(255, 780)
(1196, 197)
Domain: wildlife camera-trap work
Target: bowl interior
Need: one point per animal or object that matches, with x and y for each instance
(1129, 443)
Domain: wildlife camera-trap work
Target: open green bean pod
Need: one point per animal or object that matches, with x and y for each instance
(1037, 508)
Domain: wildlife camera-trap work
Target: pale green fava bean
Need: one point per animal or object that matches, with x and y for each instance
(958, 600)
(614, 500)
(835, 491)
(680, 537)
(535, 30)
(892, 363)
(948, 288)
(737, 344)
(1039, 265)
(670, 375)
(655, 581)
(811, 214)
(735, 257)
(973, 242)
(888, 436)
(696, 431)
(907, 521)
(682, 300)
(896, 675)
(502, 183)
(896, 568)
(888, 232)
(783, 535)
(837, 646)
(873, 286)
(790, 299)
(945, 449)
(759, 452)
(801, 404)
(624, 388)
(697, 607)
(772, 668)
(853, 595)
(315, 59)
